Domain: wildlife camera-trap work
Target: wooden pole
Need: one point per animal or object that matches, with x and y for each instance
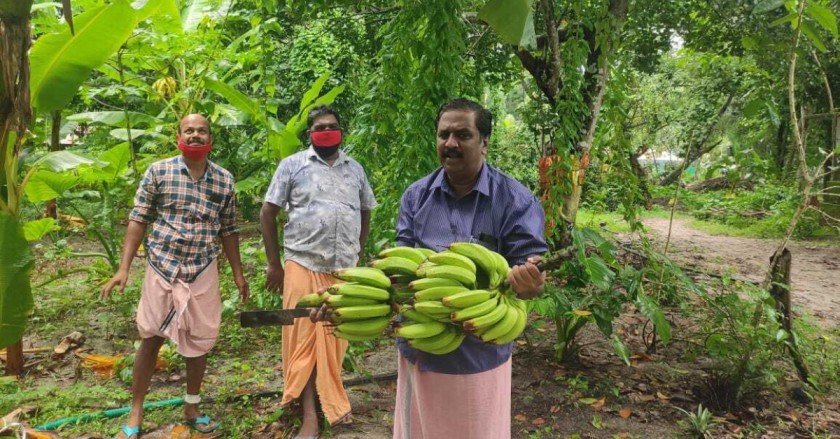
(780, 290)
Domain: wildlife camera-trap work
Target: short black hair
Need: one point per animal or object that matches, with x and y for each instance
(483, 117)
(320, 110)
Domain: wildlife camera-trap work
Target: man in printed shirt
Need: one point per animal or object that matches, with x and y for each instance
(466, 393)
(328, 200)
(189, 201)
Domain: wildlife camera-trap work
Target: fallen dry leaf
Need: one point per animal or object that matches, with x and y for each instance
(647, 398)
(662, 396)
(538, 421)
(520, 417)
(625, 413)
(599, 404)
(554, 409)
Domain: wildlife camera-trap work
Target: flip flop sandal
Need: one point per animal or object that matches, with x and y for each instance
(209, 425)
(130, 432)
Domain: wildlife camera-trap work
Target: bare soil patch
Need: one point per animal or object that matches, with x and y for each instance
(815, 274)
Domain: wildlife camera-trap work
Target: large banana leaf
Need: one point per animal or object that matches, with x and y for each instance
(114, 118)
(235, 97)
(513, 20)
(193, 14)
(15, 290)
(61, 62)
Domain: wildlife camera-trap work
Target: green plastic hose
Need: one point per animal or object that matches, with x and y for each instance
(110, 413)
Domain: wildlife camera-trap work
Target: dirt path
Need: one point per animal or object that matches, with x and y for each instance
(815, 275)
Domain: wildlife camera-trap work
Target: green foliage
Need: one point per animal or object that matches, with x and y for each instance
(512, 20)
(764, 212)
(698, 424)
(61, 62)
(594, 289)
(15, 292)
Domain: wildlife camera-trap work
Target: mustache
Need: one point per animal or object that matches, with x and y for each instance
(452, 153)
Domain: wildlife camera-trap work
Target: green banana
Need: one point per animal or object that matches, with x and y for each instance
(339, 300)
(426, 251)
(479, 254)
(450, 347)
(503, 326)
(353, 289)
(431, 282)
(421, 269)
(414, 315)
(410, 253)
(437, 293)
(420, 330)
(435, 342)
(487, 320)
(360, 312)
(467, 299)
(462, 275)
(395, 265)
(372, 326)
(364, 275)
(502, 269)
(313, 300)
(433, 309)
(474, 311)
(451, 258)
(354, 337)
(516, 330)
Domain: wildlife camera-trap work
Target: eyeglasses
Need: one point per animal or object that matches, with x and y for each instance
(327, 127)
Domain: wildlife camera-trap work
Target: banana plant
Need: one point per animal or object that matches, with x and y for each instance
(283, 139)
(59, 64)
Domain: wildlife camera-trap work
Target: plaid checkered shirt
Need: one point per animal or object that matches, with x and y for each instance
(186, 216)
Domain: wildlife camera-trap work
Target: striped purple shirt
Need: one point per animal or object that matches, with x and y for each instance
(499, 213)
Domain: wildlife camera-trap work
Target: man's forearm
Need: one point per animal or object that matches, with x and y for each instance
(363, 235)
(230, 244)
(134, 234)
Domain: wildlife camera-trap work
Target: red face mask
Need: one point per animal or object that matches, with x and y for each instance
(325, 139)
(195, 152)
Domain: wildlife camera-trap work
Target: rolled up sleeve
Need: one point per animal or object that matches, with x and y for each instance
(524, 236)
(227, 217)
(144, 199)
(280, 187)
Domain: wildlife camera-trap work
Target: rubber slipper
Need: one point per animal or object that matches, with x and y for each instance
(209, 425)
(130, 432)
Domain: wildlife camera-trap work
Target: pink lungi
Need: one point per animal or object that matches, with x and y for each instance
(189, 314)
(434, 405)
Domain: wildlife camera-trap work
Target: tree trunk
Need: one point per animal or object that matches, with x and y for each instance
(780, 290)
(15, 114)
(641, 175)
(51, 209)
(14, 358)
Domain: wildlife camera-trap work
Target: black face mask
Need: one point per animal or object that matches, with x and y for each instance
(325, 151)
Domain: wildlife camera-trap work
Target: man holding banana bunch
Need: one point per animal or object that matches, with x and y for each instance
(466, 393)
(328, 200)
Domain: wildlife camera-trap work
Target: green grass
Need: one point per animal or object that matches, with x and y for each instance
(613, 222)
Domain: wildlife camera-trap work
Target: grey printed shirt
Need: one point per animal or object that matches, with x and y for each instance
(324, 204)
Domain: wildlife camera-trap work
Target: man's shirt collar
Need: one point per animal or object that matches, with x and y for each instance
(342, 157)
(482, 185)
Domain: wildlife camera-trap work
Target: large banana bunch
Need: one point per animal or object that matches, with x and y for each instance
(360, 306)
(452, 292)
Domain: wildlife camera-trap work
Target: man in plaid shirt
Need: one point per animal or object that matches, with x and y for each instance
(189, 201)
